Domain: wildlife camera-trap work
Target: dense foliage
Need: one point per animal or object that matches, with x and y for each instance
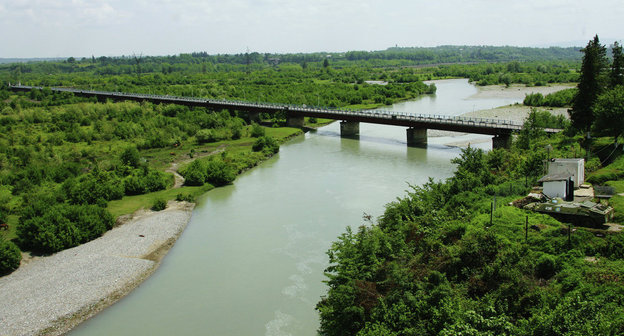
(592, 82)
(556, 99)
(439, 261)
(10, 256)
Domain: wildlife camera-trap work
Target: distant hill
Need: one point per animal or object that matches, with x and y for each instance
(28, 60)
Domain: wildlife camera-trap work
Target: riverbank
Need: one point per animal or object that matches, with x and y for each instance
(50, 295)
(516, 112)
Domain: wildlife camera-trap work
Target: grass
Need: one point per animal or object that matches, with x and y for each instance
(130, 204)
(618, 185)
(617, 202)
(11, 233)
(163, 158)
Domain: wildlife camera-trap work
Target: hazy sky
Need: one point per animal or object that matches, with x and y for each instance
(62, 28)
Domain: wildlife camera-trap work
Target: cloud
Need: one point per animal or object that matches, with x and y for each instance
(115, 27)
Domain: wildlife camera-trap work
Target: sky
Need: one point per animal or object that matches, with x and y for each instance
(82, 28)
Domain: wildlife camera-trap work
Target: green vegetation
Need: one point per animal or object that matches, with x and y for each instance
(433, 264)
(69, 166)
(159, 204)
(440, 262)
(10, 256)
(557, 99)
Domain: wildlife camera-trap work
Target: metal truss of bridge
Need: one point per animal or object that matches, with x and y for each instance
(417, 124)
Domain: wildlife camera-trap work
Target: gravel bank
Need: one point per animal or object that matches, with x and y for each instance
(516, 112)
(50, 295)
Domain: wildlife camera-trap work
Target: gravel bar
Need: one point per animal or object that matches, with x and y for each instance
(50, 295)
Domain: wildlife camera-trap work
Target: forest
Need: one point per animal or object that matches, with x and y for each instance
(434, 263)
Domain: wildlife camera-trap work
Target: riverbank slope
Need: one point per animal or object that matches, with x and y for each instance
(50, 295)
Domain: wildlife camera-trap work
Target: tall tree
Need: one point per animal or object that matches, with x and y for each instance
(609, 113)
(617, 68)
(592, 83)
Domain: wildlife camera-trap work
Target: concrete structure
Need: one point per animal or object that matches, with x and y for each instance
(557, 185)
(254, 116)
(501, 141)
(349, 128)
(571, 167)
(294, 120)
(416, 137)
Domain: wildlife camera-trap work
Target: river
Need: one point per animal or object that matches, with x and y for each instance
(251, 260)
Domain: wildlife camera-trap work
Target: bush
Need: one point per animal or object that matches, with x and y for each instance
(185, 198)
(194, 174)
(62, 226)
(266, 144)
(131, 157)
(159, 204)
(257, 130)
(546, 266)
(219, 173)
(205, 136)
(90, 188)
(142, 181)
(10, 257)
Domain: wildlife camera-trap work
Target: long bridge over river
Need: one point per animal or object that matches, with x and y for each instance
(417, 124)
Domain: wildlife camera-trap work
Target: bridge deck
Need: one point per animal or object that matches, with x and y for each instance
(439, 122)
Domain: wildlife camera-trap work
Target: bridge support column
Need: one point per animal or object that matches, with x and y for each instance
(417, 137)
(349, 129)
(501, 141)
(294, 121)
(254, 116)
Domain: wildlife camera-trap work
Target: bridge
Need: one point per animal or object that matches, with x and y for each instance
(417, 124)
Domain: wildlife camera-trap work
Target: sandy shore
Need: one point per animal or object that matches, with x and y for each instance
(517, 112)
(50, 295)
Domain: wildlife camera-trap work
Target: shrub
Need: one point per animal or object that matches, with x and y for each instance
(62, 226)
(10, 257)
(266, 144)
(194, 174)
(257, 130)
(219, 173)
(546, 266)
(131, 157)
(205, 136)
(185, 198)
(159, 204)
(142, 181)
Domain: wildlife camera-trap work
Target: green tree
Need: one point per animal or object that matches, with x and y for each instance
(609, 113)
(257, 130)
(617, 67)
(591, 84)
(194, 174)
(131, 157)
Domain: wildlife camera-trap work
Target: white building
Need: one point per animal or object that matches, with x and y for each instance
(557, 185)
(571, 167)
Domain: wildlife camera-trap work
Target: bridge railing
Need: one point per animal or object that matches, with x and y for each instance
(385, 114)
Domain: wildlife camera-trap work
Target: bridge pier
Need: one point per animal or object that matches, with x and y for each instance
(501, 141)
(294, 121)
(417, 137)
(349, 129)
(253, 116)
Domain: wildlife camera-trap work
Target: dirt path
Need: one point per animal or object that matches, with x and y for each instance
(173, 169)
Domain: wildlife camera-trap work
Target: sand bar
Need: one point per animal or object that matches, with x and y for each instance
(50, 295)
